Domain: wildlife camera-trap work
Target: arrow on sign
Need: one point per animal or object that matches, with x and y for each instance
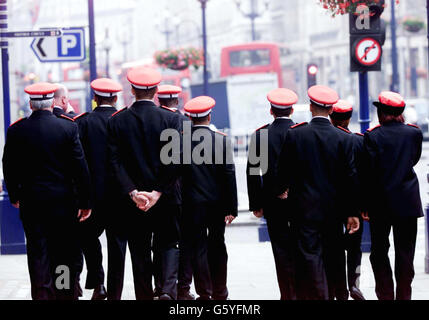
(39, 46)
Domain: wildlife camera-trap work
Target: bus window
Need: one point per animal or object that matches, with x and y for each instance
(248, 58)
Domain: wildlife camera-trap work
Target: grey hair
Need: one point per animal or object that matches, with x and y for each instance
(41, 104)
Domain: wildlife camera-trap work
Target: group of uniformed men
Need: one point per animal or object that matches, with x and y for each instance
(72, 177)
(322, 181)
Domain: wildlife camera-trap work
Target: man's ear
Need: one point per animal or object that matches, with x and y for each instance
(330, 110)
(209, 117)
(115, 99)
(291, 111)
(133, 91)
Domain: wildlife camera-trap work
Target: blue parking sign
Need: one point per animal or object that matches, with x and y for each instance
(70, 46)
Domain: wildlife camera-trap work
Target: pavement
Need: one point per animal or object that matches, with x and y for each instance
(251, 269)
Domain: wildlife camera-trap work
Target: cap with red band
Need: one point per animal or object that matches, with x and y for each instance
(200, 107)
(168, 91)
(282, 98)
(41, 91)
(105, 87)
(390, 102)
(323, 96)
(343, 106)
(144, 78)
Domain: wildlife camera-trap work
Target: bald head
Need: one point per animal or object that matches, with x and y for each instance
(61, 97)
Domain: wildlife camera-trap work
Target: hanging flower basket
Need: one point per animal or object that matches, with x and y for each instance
(341, 7)
(413, 24)
(180, 59)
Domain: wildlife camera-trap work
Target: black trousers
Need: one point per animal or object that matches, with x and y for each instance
(320, 259)
(140, 229)
(185, 262)
(404, 235)
(52, 250)
(204, 235)
(352, 244)
(283, 245)
(90, 232)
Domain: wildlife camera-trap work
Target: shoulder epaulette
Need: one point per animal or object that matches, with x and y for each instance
(224, 134)
(344, 129)
(119, 111)
(167, 108)
(80, 116)
(68, 118)
(413, 125)
(19, 120)
(359, 134)
(263, 127)
(298, 125)
(377, 126)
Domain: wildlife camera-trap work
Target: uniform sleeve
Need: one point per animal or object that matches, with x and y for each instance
(80, 171)
(119, 172)
(419, 141)
(231, 205)
(285, 165)
(368, 158)
(169, 173)
(11, 167)
(350, 195)
(254, 178)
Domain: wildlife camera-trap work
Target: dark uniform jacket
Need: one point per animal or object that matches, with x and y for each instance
(93, 135)
(390, 153)
(43, 162)
(135, 145)
(58, 112)
(317, 166)
(262, 189)
(212, 182)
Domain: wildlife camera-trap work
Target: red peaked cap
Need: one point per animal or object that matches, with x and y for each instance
(391, 99)
(200, 106)
(282, 98)
(41, 90)
(323, 96)
(343, 106)
(144, 77)
(106, 87)
(168, 91)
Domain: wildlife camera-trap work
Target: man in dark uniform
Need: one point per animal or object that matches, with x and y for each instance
(43, 165)
(93, 135)
(340, 118)
(61, 103)
(209, 200)
(391, 150)
(149, 188)
(168, 97)
(314, 166)
(261, 188)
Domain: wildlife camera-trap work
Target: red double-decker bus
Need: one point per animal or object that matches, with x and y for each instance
(258, 58)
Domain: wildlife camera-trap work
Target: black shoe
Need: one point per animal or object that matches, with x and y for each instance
(156, 294)
(99, 293)
(356, 294)
(185, 296)
(204, 298)
(165, 297)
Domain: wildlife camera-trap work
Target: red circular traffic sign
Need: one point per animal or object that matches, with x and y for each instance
(368, 51)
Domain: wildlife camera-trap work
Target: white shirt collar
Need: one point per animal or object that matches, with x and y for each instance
(289, 118)
(202, 125)
(327, 118)
(106, 106)
(58, 107)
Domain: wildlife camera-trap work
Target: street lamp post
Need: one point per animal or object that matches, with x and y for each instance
(206, 76)
(92, 53)
(395, 76)
(107, 46)
(253, 14)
